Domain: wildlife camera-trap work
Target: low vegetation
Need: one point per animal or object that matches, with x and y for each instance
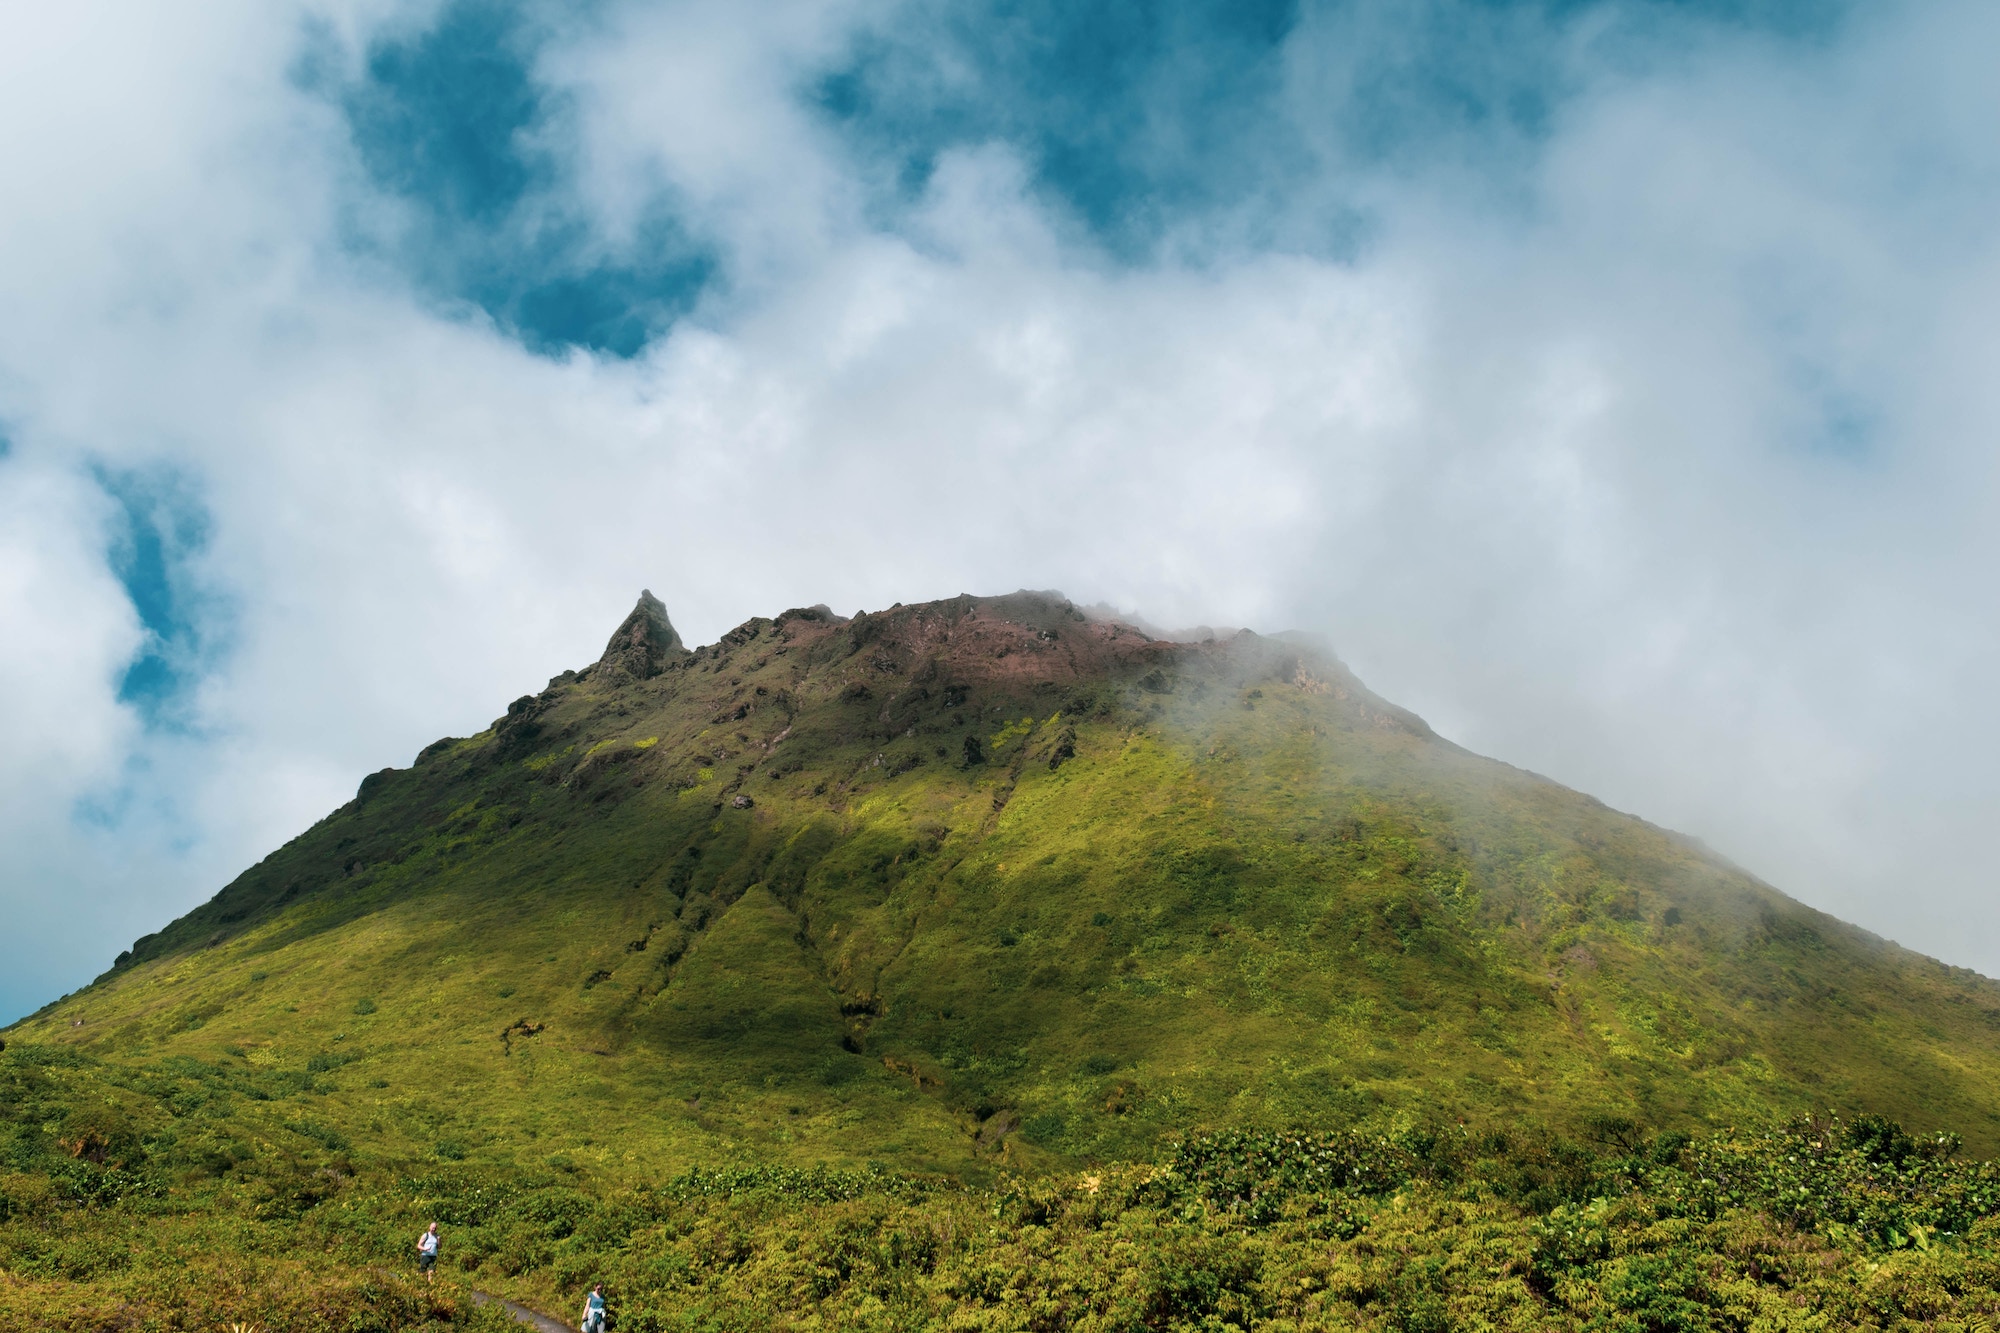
(982, 965)
(1810, 1225)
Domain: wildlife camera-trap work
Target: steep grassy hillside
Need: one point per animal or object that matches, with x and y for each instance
(988, 882)
(981, 965)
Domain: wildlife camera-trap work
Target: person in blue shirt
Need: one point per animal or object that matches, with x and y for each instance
(593, 1310)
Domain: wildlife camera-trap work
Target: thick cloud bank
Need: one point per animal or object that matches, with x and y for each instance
(1611, 383)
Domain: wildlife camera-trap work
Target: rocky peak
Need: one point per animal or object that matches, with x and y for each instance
(643, 644)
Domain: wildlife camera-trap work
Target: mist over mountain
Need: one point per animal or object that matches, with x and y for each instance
(1564, 926)
(1002, 878)
(995, 962)
(1606, 378)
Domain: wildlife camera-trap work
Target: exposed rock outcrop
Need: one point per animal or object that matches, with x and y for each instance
(643, 645)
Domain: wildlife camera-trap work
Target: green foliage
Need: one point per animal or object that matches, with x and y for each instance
(1816, 1223)
(817, 1184)
(1307, 910)
(1422, 1229)
(702, 982)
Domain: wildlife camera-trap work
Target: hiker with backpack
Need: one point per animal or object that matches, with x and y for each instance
(427, 1253)
(593, 1310)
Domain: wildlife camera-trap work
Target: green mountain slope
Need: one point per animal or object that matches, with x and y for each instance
(990, 882)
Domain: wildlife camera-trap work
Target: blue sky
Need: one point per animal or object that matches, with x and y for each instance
(1153, 133)
(153, 548)
(449, 119)
(1608, 381)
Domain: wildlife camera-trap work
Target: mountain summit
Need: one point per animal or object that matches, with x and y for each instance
(996, 878)
(643, 645)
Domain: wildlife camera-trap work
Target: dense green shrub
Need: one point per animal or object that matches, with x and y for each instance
(192, 1221)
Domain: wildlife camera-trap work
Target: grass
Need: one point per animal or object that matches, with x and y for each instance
(976, 892)
(1816, 1224)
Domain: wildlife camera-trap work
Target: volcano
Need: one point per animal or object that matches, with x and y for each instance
(998, 881)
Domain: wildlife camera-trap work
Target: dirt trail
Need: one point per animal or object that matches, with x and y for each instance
(534, 1319)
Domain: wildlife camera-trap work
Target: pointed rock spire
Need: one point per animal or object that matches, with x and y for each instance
(643, 644)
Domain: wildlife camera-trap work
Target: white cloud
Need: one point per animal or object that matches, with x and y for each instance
(1564, 478)
(68, 632)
